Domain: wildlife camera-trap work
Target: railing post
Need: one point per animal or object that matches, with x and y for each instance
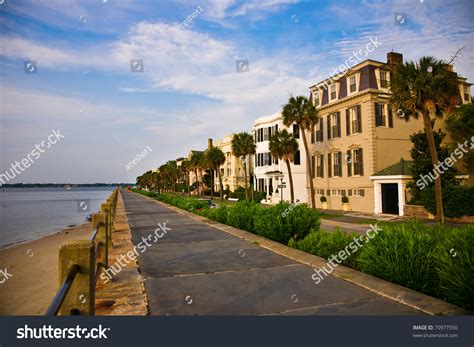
(81, 297)
(99, 220)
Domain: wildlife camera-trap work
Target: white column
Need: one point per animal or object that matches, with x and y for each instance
(377, 198)
(401, 198)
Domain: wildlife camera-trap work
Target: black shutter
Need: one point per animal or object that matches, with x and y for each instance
(329, 165)
(269, 133)
(312, 133)
(338, 117)
(322, 165)
(377, 117)
(349, 164)
(339, 166)
(348, 123)
(321, 129)
(312, 166)
(329, 126)
(390, 117)
(359, 119)
(361, 162)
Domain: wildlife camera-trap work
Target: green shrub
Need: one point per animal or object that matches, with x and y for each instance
(242, 215)
(420, 257)
(454, 263)
(345, 199)
(458, 200)
(323, 198)
(328, 244)
(285, 221)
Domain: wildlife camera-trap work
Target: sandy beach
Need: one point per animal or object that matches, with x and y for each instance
(33, 269)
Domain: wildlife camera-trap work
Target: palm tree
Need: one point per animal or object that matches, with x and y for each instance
(425, 88)
(185, 170)
(215, 158)
(301, 111)
(243, 145)
(283, 145)
(197, 159)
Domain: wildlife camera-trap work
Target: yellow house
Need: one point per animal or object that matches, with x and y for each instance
(359, 142)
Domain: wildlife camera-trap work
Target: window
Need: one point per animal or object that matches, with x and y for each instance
(297, 158)
(320, 166)
(261, 185)
(358, 162)
(333, 91)
(466, 94)
(380, 115)
(316, 98)
(334, 125)
(355, 162)
(383, 79)
(328, 192)
(296, 131)
(337, 164)
(353, 120)
(352, 84)
(265, 134)
(319, 130)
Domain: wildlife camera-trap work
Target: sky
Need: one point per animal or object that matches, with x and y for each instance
(68, 66)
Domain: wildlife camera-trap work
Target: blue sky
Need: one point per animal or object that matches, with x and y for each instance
(189, 90)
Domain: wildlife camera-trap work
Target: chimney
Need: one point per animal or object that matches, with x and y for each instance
(394, 58)
(209, 143)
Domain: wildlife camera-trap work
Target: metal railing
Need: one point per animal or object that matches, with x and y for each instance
(80, 264)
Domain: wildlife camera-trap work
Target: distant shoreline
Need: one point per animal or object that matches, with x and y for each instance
(64, 185)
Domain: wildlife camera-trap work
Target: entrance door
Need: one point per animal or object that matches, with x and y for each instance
(390, 198)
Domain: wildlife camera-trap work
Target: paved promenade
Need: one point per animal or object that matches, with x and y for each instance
(197, 269)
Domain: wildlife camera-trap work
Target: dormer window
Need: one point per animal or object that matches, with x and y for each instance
(352, 84)
(333, 91)
(316, 98)
(383, 79)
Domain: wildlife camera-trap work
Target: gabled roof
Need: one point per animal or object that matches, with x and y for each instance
(403, 167)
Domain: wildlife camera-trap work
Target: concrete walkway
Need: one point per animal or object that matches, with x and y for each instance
(197, 269)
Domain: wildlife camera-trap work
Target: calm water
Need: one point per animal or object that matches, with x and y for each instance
(27, 213)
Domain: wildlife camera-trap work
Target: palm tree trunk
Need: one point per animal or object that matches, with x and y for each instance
(212, 182)
(290, 177)
(434, 161)
(245, 179)
(197, 181)
(309, 174)
(220, 185)
(187, 183)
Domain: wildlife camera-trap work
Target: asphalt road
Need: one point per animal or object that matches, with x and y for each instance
(196, 269)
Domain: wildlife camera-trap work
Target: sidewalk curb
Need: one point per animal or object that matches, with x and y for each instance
(406, 296)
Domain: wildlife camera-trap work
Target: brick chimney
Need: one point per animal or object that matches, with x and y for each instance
(209, 143)
(394, 58)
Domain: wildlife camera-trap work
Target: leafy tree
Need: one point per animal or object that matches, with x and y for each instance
(425, 88)
(301, 111)
(243, 145)
(283, 145)
(215, 158)
(461, 128)
(423, 167)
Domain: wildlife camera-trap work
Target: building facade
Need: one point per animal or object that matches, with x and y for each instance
(232, 171)
(270, 172)
(357, 136)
